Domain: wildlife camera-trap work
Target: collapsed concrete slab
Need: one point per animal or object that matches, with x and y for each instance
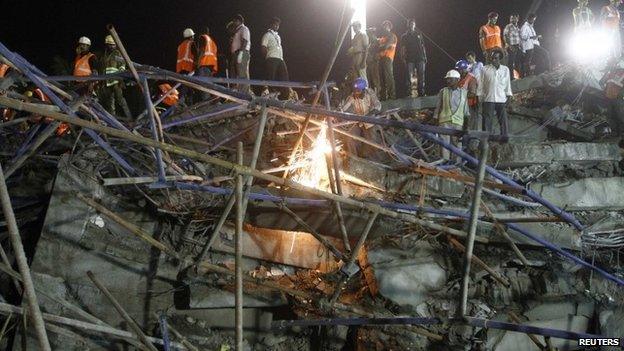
(584, 194)
(521, 155)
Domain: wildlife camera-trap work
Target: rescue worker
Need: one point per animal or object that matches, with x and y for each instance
(452, 109)
(613, 83)
(274, 55)
(38, 96)
(490, 35)
(207, 63)
(414, 56)
(171, 96)
(583, 16)
(469, 82)
(112, 93)
(387, 46)
(372, 60)
(512, 44)
(362, 101)
(494, 92)
(84, 65)
(185, 64)
(610, 17)
(532, 48)
(358, 51)
(475, 66)
(239, 51)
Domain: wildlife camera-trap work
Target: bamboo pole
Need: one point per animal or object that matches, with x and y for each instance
(22, 264)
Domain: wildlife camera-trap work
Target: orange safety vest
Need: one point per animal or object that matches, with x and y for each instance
(209, 55)
(186, 57)
(82, 68)
(388, 52)
(612, 21)
(464, 83)
(492, 37)
(3, 69)
(172, 98)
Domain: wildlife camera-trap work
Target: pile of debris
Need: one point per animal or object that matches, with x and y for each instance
(204, 228)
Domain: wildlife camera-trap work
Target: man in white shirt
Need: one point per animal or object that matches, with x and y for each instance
(239, 51)
(531, 46)
(494, 91)
(274, 55)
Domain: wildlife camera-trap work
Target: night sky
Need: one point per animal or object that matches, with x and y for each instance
(151, 30)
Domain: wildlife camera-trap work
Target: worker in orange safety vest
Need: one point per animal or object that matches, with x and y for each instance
(84, 65)
(490, 35)
(172, 95)
(387, 46)
(186, 62)
(207, 65)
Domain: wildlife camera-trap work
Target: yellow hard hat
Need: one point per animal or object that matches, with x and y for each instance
(109, 40)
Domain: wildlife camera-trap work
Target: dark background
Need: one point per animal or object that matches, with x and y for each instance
(151, 30)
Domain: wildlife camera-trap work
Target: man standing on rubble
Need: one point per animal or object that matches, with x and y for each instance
(84, 65)
(490, 35)
(452, 109)
(363, 101)
(185, 64)
(207, 64)
(494, 91)
(610, 17)
(387, 47)
(239, 51)
(358, 51)
(414, 55)
(274, 56)
(112, 93)
(512, 44)
(531, 46)
(372, 60)
(613, 82)
(583, 16)
(469, 82)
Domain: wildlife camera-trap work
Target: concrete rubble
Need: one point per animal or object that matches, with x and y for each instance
(375, 264)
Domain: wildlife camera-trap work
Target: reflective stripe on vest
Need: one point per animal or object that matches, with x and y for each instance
(3, 69)
(186, 57)
(82, 68)
(448, 116)
(40, 95)
(492, 37)
(111, 70)
(209, 56)
(392, 50)
(172, 98)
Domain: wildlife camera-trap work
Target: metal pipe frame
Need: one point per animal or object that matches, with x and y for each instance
(472, 231)
(238, 252)
(212, 114)
(152, 120)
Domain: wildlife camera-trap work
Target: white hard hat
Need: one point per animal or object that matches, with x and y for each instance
(109, 40)
(188, 32)
(452, 74)
(84, 40)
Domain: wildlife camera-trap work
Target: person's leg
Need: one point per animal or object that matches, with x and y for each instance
(383, 75)
(245, 70)
(421, 77)
(282, 75)
(121, 100)
(488, 116)
(545, 56)
(391, 86)
(501, 114)
(528, 62)
(107, 100)
(410, 66)
(204, 71)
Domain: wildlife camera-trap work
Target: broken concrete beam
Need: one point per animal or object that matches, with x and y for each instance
(291, 248)
(540, 116)
(201, 296)
(584, 194)
(522, 155)
(524, 129)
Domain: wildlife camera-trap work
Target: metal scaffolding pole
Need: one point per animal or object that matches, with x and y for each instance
(239, 250)
(22, 264)
(472, 231)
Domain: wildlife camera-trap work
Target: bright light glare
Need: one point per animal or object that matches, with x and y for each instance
(590, 45)
(360, 13)
(314, 174)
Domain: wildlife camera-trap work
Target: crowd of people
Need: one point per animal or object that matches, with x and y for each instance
(475, 94)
